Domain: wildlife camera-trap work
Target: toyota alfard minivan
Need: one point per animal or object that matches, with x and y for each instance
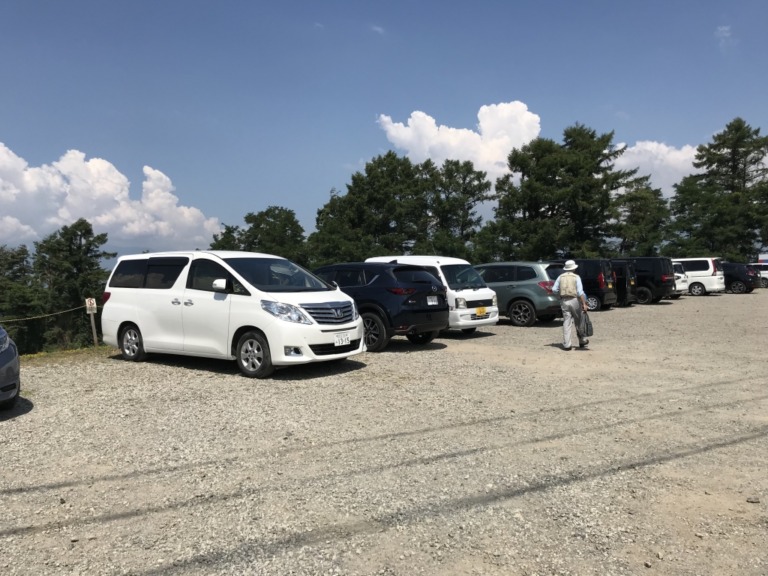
(471, 303)
(258, 309)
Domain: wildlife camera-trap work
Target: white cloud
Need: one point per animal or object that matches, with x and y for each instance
(40, 200)
(725, 38)
(502, 127)
(664, 164)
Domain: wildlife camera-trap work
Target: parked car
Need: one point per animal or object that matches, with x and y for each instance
(626, 281)
(762, 269)
(393, 299)
(740, 278)
(10, 373)
(471, 303)
(705, 274)
(681, 281)
(523, 289)
(261, 310)
(655, 278)
(597, 278)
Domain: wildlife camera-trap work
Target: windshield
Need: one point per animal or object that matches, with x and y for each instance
(277, 275)
(460, 276)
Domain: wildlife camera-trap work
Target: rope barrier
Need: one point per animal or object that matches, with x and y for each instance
(12, 320)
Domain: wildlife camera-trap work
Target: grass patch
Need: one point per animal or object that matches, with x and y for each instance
(68, 356)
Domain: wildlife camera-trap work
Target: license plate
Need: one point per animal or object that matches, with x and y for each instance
(432, 300)
(480, 311)
(341, 339)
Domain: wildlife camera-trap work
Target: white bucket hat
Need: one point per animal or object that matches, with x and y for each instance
(570, 265)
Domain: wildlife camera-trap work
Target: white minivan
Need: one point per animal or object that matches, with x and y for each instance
(471, 303)
(258, 309)
(705, 274)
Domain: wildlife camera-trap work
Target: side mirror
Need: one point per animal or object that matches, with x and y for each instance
(220, 285)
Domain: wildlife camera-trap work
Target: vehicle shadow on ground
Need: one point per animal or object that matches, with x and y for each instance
(558, 323)
(23, 406)
(459, 335)
(229, 368)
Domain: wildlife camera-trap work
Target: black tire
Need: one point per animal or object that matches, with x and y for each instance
(764, 282)
(738, 287)
(8, 404)
(132, 343)
(253, 357)
(468, 330)
(422, 337)
(522, 313)
(644, 295)
(697, 289)
(593, 303)
(376, 338)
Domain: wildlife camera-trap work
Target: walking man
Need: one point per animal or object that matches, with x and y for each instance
(569, 288)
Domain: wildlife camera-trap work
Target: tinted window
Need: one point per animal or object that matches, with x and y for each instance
(277, 275)
(129, 274)
(696, 265)
(554, 271)
(525, 273)
(163, 272)
(498, 273)
(418, 276)
(203, 272)
(461, 276)
(350, 277)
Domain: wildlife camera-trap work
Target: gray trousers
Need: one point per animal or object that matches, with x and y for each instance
(571, 308)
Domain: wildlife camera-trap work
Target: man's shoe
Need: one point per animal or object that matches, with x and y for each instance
(583, 343)
(567, 349)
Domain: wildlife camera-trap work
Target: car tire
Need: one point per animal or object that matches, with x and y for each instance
(738, 287)
(253, 357)
(522, 313)
(697, 289)
(468, 330)
(375, 331)
(422, 337)
(132, 343)
(644, 295)
(8, 404)
(593, 303)
(764, 282)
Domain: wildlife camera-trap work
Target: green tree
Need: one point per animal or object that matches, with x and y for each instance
(723, 209)
(556, 200)
(21, 299)
(385, 211)
(67, 267)
(272, 231)
(643, 216)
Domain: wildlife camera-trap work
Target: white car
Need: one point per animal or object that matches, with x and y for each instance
(681, 281)
(762, 268)
(260, 310)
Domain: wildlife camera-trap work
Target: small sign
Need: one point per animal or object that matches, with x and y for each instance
(90, 305)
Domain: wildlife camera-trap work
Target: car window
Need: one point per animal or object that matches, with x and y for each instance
(498, 274)
(203, 272)
(350, 277)
(461, 276)
(129, 274)
(411, 275)
(277, 275)
(162, 273)
(526, 273)
(554, 271)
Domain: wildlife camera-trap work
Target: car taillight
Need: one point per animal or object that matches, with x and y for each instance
(402, 291)
(105, 297)
(667, 277)
(601, 280)
(714, 269)
(547, 285)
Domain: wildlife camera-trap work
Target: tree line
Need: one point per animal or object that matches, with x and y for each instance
(557, 200)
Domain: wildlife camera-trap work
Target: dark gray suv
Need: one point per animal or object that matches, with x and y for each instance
(524, 289)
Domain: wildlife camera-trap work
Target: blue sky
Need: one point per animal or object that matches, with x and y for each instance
(160, 120)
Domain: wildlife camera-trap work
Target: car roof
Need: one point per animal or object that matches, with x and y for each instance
(223, 254)
(417, 259)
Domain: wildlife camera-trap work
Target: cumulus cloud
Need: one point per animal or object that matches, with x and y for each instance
(39, 200)
(502, 127)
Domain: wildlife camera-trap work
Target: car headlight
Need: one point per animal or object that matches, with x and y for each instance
(287, 312)
(495, 300)
(355, 313)
(461, 303)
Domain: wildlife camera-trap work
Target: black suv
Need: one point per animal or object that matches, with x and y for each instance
(655, 278)
(597, 278)
(392, 299)
(740, 278)
(626, 281)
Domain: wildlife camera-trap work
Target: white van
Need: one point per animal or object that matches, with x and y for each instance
(470, 302)
(705, 275)
(261, 310)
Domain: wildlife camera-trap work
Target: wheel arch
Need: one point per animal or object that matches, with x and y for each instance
(239, 333)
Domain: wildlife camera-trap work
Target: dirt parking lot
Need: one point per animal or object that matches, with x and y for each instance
(495, 454)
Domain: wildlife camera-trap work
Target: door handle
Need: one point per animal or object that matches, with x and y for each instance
(188, 303)
(175, 301)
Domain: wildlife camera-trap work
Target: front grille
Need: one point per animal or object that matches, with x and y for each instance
(480, 316)
(330, 312)
(478, 303)
(328, 349)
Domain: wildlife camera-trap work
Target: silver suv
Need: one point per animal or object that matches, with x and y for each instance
(523, 289)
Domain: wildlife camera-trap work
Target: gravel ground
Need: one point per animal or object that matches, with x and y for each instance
(493, 454)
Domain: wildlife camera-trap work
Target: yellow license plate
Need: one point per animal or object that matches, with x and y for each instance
(480, 311)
